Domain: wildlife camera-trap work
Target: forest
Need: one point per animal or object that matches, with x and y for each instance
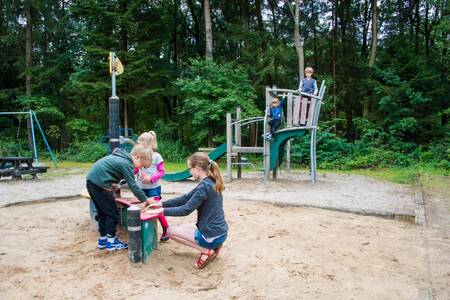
(187, 63)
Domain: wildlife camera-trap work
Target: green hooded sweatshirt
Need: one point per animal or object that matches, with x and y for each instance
(111, 169)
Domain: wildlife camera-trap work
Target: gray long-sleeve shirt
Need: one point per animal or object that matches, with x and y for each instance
(209, 204)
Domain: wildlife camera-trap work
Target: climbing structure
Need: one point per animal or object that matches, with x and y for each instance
(302, 115)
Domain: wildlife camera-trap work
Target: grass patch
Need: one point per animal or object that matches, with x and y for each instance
(407, 175)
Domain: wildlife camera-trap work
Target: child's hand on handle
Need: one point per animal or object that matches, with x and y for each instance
(154, 205)
(146, 179)
(156, 211)
(115, 187)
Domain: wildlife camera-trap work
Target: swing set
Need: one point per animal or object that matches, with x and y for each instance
(15, 167)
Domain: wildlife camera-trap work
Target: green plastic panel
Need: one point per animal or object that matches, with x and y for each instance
(149, 231)
(183, 175)
(279, 141)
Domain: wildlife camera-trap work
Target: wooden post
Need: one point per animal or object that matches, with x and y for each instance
(229, 145)
(238, 141)
(266, 142)
(289, 124)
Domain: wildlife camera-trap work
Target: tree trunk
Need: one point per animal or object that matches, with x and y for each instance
(210, 134)
(427, 29)
(315, 22)
(208, 31)
(334, 25)
(417, 29)
(373, 52)
(365, 28)
(196, 25)
(298, 43)
(28, 48)
(28, 65)
(259, 15)
(124, 38)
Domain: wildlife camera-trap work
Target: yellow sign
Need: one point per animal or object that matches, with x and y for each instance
(118, 67)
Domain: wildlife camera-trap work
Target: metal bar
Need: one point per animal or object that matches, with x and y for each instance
(45, 139)
(238, 140)
(266, 149)
(248, 149)
(113, 74)
(247, 119)
(33, 136)
(229, 145)
(14, 113)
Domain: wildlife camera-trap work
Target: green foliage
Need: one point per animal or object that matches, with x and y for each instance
(10, 146)
(87, 151)
(82, 130)
(210, 90)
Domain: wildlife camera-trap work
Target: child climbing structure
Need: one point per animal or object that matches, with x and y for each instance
(302, 115)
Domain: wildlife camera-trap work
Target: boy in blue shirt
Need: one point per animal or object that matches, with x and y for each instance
(275, 112)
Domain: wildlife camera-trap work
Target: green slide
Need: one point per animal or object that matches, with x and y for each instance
(279, 141)
(183, 175)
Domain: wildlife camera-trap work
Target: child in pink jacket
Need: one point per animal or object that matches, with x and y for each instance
(149, 179)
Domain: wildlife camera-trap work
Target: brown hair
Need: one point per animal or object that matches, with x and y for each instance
(202, 160)
(143, 153)
(148, 139)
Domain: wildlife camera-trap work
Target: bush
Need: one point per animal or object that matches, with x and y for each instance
(89, 151)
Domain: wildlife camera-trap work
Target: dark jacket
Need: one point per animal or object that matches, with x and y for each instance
(111, 169)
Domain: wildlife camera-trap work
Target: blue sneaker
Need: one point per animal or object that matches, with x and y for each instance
(102, 243)
(116, 245)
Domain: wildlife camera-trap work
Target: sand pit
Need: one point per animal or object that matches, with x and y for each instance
(48, 251)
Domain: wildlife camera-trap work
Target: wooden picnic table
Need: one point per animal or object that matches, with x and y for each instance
(18, 166)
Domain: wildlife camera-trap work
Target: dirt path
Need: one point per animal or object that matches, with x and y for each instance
(437, 238)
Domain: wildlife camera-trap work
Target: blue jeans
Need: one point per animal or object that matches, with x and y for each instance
(155, 192)
(213, 245)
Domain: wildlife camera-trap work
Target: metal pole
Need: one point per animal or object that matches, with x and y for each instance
(33, 137)
(238, 141)
(266, 150)
(45, 139)
(114, 110)
(229, 145)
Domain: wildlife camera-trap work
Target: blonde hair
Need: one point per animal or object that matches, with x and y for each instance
(202, 160)
(148, 139)
(143, 153)
(309, 69)
(276, 102)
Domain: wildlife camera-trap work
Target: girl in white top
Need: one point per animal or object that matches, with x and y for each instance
(149, 179)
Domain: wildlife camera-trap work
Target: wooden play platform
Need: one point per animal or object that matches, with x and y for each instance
(15, 167)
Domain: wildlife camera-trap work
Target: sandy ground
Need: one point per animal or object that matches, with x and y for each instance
(48, 250)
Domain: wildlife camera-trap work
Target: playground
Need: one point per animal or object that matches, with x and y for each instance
(278, 246)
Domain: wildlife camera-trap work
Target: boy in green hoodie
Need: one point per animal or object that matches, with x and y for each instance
(105, 173)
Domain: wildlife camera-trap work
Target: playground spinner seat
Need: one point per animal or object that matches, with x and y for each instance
(149, 228)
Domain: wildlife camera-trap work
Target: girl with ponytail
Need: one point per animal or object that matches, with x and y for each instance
(211, 229)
